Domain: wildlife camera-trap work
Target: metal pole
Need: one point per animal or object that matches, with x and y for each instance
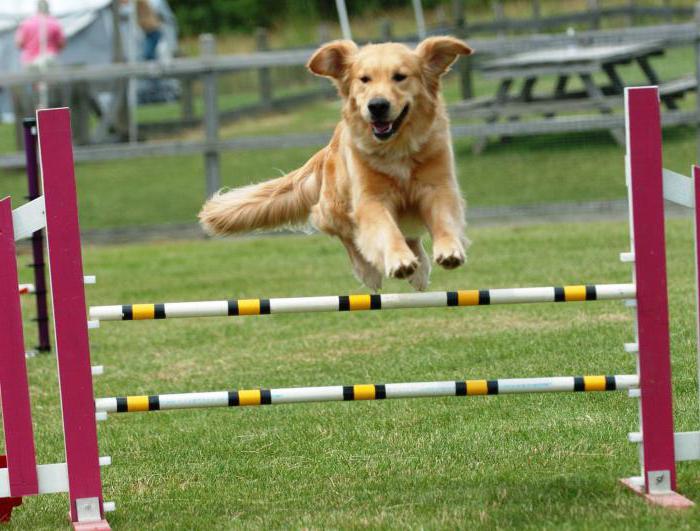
(207, 46)
(343, 19)
(264, 79)
(464, 65)
(420, 19)
(594, 9)
(42, 312)
(536, 13)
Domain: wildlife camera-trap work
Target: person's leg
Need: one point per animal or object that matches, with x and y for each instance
(152, 38)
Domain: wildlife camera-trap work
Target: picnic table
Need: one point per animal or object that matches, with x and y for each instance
(601, 93)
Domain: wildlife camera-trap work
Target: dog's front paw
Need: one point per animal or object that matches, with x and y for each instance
(449, 257)
(403, 268)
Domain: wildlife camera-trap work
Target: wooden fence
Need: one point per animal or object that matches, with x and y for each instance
(209, 66)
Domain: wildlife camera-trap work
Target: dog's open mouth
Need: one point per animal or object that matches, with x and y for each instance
(384, 130)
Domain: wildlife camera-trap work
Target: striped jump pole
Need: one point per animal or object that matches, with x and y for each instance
(433, 299)
(337, 393)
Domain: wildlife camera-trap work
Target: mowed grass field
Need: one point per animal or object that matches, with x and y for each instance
(527, 462)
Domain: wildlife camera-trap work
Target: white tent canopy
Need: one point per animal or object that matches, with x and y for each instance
(88, 26)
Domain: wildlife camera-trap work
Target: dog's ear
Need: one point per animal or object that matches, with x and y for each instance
(332, 59)
(438, 54)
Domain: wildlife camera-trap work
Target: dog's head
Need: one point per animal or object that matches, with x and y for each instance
(387, 86)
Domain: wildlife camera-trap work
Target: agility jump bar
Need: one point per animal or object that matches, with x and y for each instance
(291, 395)
(434, 299)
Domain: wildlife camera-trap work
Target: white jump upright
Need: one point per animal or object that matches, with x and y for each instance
(650, 384)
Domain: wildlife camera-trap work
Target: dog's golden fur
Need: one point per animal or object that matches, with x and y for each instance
(377, 194)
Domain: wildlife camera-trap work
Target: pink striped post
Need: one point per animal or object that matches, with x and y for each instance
(644, 152)
(70, 321)
(14, 386)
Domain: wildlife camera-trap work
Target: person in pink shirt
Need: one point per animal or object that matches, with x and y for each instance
(40, 37)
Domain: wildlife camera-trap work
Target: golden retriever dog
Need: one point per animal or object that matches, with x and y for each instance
(386, 176)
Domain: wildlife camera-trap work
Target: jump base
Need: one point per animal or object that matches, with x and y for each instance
(667, 500)
(97, 525)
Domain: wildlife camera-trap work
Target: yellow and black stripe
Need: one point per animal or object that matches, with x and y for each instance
(129, 404)
(476, 387)
(482, 297)
(575, 293)
(594, 383)
(253, 397)
(364, 392)
(472, 297)
(249, 307)
(138, 312)
(349, 303)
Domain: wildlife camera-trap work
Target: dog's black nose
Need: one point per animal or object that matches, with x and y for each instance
(378, 108)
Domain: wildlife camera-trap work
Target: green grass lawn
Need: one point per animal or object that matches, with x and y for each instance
(534, 462)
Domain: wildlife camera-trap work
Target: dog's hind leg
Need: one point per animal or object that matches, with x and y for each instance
(364, 271)
(421, 277)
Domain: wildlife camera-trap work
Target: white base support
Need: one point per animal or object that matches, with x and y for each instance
(29, 218)
(52, 478)
(678, 189)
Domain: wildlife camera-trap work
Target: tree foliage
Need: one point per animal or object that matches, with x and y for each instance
(245, 15)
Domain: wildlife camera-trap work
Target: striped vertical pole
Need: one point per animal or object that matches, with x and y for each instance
(42, 311)
(69, 315)
(644, 160)
(14, 386)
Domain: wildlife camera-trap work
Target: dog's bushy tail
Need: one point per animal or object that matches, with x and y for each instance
(286, 200)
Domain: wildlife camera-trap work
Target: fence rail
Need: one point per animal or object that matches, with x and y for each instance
(208, 66)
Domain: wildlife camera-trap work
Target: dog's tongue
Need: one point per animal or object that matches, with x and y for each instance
(381, 127)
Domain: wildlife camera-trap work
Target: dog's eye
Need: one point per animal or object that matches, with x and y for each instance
(399, 77)
(365, 79)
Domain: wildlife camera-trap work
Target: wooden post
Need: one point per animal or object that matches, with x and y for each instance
(264, 79)
(669, 11)
(187, 99)
(121, 114)
(595, 13)
(386, 33)
(212, 163)
(69, 310)
(536, 14)
(464, 65)
(79, 103)
(324, 33)
(498, 14)
(631, 12)
(697, 75)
